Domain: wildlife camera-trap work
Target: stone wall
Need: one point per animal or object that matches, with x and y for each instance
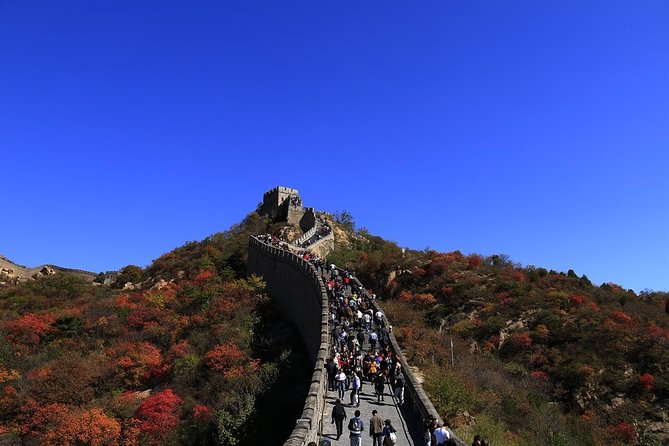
(295, 286)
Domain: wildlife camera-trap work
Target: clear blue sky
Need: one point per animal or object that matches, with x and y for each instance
(533, 128)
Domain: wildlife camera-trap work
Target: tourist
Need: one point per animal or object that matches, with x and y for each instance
(338, 417)
(355, 390)
(429, 426)
(341, 383)
(331, 368)
(356, 427)
(399, 388)
(389, 434)
(440, 434)
(379, 384)
(376, 429)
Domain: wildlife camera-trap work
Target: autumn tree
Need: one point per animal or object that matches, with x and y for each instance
(159, 416)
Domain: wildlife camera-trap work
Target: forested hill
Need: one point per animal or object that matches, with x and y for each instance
(185, 351)
(180, 356)
(540, 357)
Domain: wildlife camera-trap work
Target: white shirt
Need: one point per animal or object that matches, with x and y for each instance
(441, 435)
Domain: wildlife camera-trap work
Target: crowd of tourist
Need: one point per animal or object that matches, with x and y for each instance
(360, 340)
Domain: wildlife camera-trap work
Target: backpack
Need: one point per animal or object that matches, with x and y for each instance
(354, 425)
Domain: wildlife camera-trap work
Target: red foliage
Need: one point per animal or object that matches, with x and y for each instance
(620, 316)
(520, 340)
(419, 272)
(226, 358)
(202, 414)
(492, 343)
(502, 296)
(203, 276)
(418, 299)
(29, 329)
(137, 362)
(539, 374)
(424, 299)
(655, 332)
(8, 398)
(178, 350)
(41, 373)
(124, 302)
(624, 431)
(159, 415)
(406, 334)
(60, 425)
(143, 318)
(513, 275)
(576, 299)
(474, 261)
(406, 295)
(647, 381)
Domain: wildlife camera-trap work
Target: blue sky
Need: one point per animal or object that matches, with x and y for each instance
(532, 128)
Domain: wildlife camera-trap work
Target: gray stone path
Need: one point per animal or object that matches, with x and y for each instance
(409, 428)
(387, 410)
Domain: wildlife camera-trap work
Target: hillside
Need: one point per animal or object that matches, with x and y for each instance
(539, 357)
(190, 352)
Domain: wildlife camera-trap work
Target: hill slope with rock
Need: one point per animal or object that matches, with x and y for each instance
(538, 357)
(185, 351)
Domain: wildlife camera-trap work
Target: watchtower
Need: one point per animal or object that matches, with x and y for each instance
(284, 204)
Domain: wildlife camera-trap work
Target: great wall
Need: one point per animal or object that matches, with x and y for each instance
(296, 286)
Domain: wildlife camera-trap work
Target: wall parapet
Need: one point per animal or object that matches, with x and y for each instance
(301, 294)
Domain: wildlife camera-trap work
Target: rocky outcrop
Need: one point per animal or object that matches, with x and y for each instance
(44, 271)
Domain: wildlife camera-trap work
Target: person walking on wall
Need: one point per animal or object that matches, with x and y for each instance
(399, 388)
(389, 434)
(355, 390)
(341, 383)
(338, 417)
(331, 368)
(356, 427)
(379, 385)
(429, 427)
(440, 434)
(376, 429)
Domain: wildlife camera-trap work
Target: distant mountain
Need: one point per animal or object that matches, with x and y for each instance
(11, 272)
